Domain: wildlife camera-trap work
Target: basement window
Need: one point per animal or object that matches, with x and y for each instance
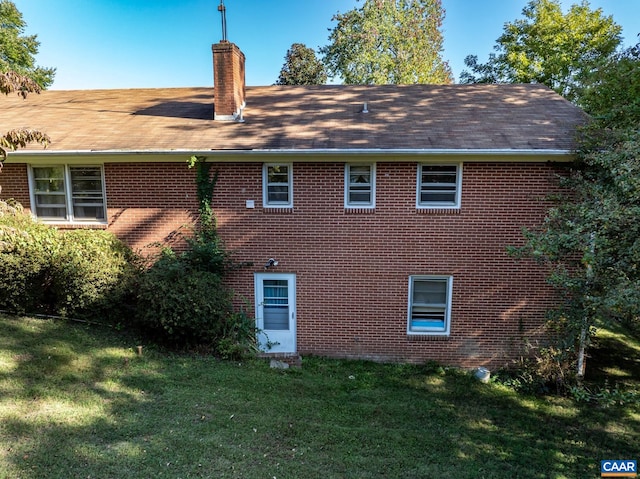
(439, 186)
(277, 186)
(429, 305)
(65, 193)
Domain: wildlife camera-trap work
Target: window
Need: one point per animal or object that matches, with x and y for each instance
(429, 305)
(439, 186)
(276, 304)
(68, 193)
(360, 183)
(277, 186)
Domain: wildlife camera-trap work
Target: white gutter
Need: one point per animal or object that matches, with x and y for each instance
(304, 152)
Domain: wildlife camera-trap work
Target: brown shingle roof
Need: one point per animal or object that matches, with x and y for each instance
(529, 117)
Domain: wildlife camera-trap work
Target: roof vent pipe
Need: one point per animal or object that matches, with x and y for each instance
(239, 117)
(365, 108)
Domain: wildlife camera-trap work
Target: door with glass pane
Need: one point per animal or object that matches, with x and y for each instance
(276, 311)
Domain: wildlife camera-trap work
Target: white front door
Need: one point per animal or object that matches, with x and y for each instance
(276, 312)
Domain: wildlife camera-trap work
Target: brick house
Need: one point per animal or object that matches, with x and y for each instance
(376, 217)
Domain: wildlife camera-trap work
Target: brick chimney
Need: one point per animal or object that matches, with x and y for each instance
(228, 79)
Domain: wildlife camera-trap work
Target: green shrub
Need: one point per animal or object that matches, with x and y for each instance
(239, 338)
(205, 254)
(26, 249)
(93, 275)
(78, 273)
(548, 370)
(182, 306)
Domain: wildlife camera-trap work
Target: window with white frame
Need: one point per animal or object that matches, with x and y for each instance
(360, 181)
(429, 305)
(277, 185)
(439, 186)
(68, 193)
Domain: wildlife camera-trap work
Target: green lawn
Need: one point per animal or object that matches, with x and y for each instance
(77, 402)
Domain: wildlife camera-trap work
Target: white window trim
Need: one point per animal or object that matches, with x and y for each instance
(70, 219)
(265, 191)
(440, 205)
(369, 205)
(435, 332)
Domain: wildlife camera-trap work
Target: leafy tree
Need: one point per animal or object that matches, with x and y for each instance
(611, 92)
(548, 47)
(591, 238)
(18, 137)
(302, 67)
(17, 51)
(388, 42)
(18, 73)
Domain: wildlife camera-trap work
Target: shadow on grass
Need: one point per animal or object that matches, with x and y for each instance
(615, 358)
(464, 428)
(80, 404)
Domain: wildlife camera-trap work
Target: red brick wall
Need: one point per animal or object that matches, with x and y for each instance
(15, 183)
(151, 202)
(352, 268)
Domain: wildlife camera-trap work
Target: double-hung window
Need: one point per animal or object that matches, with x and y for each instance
(277, 186)
(360, 181)
(439, 186)
(430, 305)
(68, 193)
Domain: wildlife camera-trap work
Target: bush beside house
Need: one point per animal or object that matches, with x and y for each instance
(78, 273)
(179, 300)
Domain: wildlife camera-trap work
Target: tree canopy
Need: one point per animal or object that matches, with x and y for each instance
(302, 67)
(388, 42)
(549, 47)
(18, 51)
(18, 74)
(611, 93)
(591, 238)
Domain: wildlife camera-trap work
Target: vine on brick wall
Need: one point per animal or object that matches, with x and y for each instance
(205, 185)
(183, 300)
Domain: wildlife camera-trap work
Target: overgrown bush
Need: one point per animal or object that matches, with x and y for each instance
(239, 338)
(181, 306)
(26, 251)
(78, 273)
(546, 371)
(94, 275)
(206, 254)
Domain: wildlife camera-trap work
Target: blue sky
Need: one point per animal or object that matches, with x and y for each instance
(164, 43)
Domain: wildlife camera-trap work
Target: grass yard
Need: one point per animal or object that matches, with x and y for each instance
(77, 402)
